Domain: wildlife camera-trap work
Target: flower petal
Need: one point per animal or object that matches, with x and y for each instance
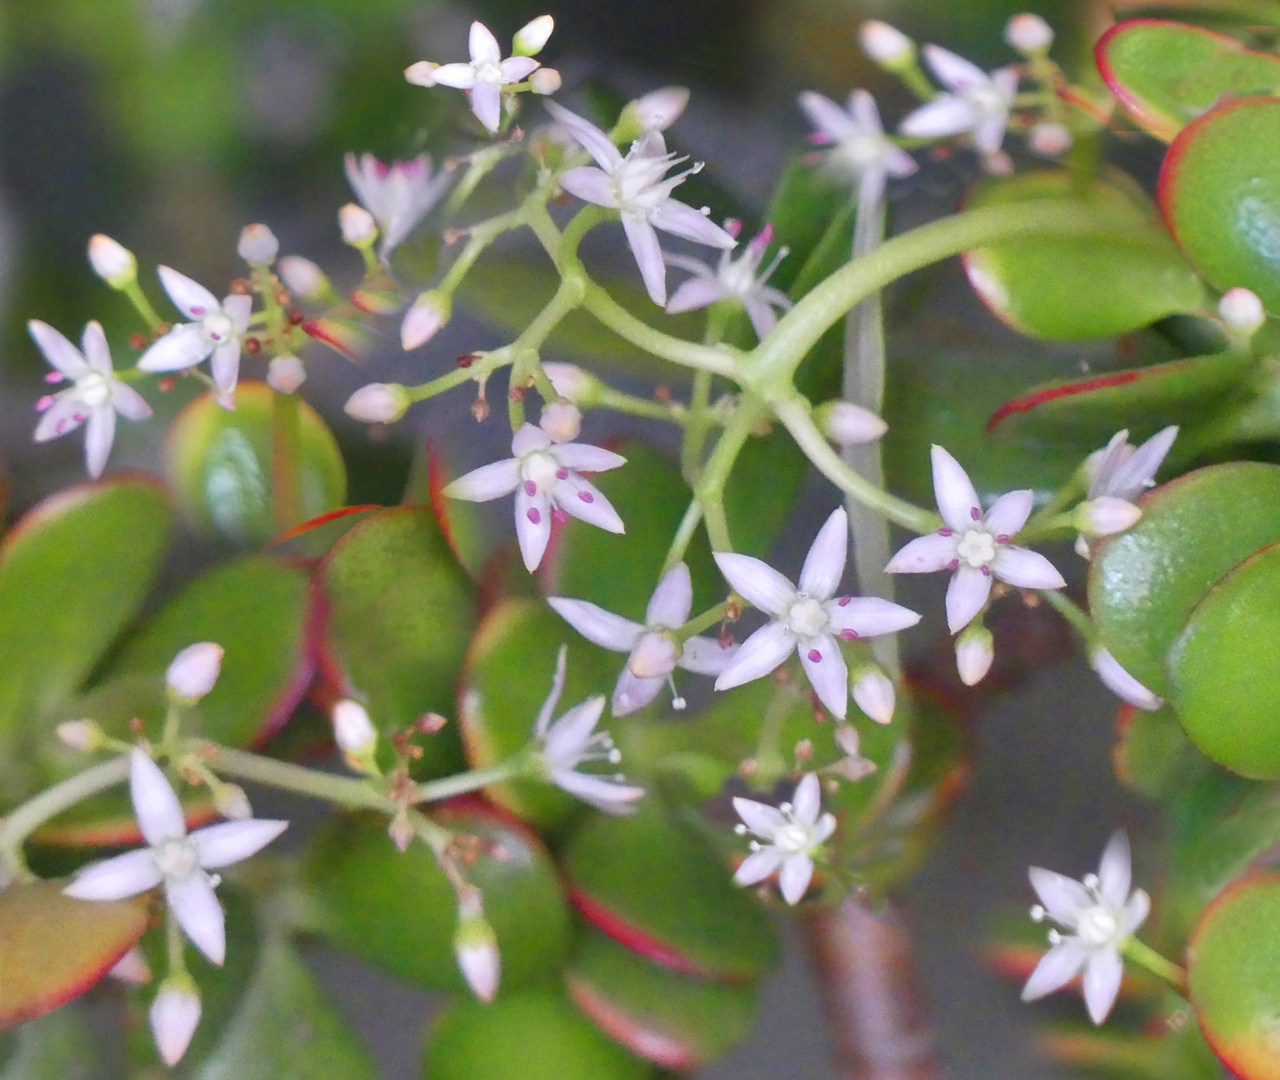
(598, 626)
(643, 242)
(483, 45)
(543, 722)
(567, 737)
(678, 219)
(157, 808)
(1057, 967)
(225, 367)
(966, 596)
(60, 353)
(515, 68)
(583, 457)
(757, 656)
(761, 818)
(581, 499)
(458, 76)
(66, 414)
(1121, 683)
(632, 694)
(128, 402)
(97, 353)
(99, 433)
(824, 565)
(533, 526)
(671, 600)
(758, 865)
(945, 115)
(1102, 976)
(1063, 897)
(198, 912)
(1135, 912)
(234, 841)
(1134, 476)
(868, 616)
(705, 656)
(189, 297)
(756, 582)
(594, 141)
(794, 878)
(487, 482)
(828, 674)
(807, 801)
(1115, 870)
(954, 72)
(957, 500)
(1009, 513)
(182, 347)
(601, 792)
(697, 292)
(825, 115)
(125, 875)
(1026, 569)
(590, 185)
(924, 555)
(989, 134)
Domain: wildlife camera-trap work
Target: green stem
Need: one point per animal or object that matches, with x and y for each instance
(715, 474)
(142, 305)
(719, 360)
(1079, 620)
(684, 534)
(463, 783)
(340, 790)
(617, 401)
(1147, 957)
(704, 621)
(479, 370)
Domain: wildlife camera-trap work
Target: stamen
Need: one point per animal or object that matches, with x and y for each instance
(953, 564)
(562, 474)
(946, 532)
(1003, 538)
(530, 488)
(814, 656)
(534, 516)
(558, 515)
(197, 312)
(586, 496)
(849, 635)
(975, 513)
(54, 377)
(844, 601)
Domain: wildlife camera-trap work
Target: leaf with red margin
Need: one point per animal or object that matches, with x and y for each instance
(53, 948)
(1167, 74)
(346, 337)
(311, 540)
(1140, 399)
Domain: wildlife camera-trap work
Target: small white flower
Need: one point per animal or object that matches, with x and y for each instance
(978, 103)
(217, 331)
(1099, 916)
(112, 261)
(174, 859)
(131, 969)
(638, 187)
(1121, 683)
(93, 398)
(1124, 472)
(572, 383)
(398, 195)
(357, 226)
(424, 319)
(739, 279)
(571, 741)
(483, 77)
(847, 424)
(258, 245)
(791, 833)
(352, 729)
(1049, 139)
(545, 81)
(562, 420)
(807, 619)
(974, 546)
(653, 654)
(1241, 310)
(544, 476)
(859, 150)
(194, 671)
(80, 735)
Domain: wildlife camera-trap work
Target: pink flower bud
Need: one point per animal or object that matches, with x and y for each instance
(848, 424)
(422, 321)
(423, 73)
(873, 694)
(79, 735)
(885, 44)
(285, 374)
(258, 245)
(659, 109)
(174, 1016)
(531, 37)
(975, 650)
(475, 946)
(352, 729)
(194, 671)
(1106, 515)
(111, 261)
(1121, 683)
(357, 225)
(1049, 140)
(561, 420)
(571, 382)
(378, 403)
(232, 803)
(1241, 310)
(302, 277)
(545, 81)
(1028, 34)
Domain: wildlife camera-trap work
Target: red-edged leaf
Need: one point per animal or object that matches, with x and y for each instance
(344, 336)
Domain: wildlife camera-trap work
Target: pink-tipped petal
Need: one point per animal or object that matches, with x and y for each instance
(828, 674)
(824, 565)
(966, 596)
(189, 297)
(756, 582)
(598, 626)
(757, 656)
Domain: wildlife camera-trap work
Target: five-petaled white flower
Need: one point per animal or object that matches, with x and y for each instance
(639, 189)
(737, 279)
(217, 330)
(859, 150)
(808, 618)
(978, 103)
(790, 834)
(573, 740)
(398, 195)
(1122, 472)
(976, 548)
(483, 77)
(93, 398)
(174, 859)
(544, 476)
(1099, 916)
(653, 651)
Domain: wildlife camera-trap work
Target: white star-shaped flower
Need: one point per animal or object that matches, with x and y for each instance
(737, 279)
(174, 859)
(1099, 916)
(975, 547)
(572, 741)
(653, 652)
(544, 476)
(807, 619)
(978, 103)
(483, 77)
(94, 396)
(398, 195)
(789, 835)
(638, 187)
(1122, 472)
(859, 151)
(217, 331)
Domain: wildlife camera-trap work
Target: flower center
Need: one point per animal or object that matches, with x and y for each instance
(807, 617)
(539, 469)
(1096, 926)
(977, 548)
(217, 327)
(986, 99)
(489, 73)
(792, 839)
(93, 390)
(859, 151)
(176, 858)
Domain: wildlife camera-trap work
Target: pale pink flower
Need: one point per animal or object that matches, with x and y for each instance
(398, 195)
(788, 837)
(739, 280)
(1120, 473)
(859, 151)
(978, 102)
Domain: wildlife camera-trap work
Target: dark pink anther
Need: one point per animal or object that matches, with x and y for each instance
(953, 564)
(197, 311)
(530, 488)
(533, 515)
(1003, 538)
(844, 601)
(586, 496)
(986, 571)
(562, 474)
(733, 226)
(975, 513)
(849, 635)
(78, 418)
(215, 337)
(946, 532)
(44, 403)
(54, 377)
(62, 426)
(814, 656)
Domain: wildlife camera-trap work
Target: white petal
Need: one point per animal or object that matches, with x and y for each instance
(957, 500)
(189, 297)
(528, 439)
(924, 555)
(759, 314)
(568, 735)
(946, 115)
(182, 347)
(598, 626)
(954, 72)
(868, 616)
(583, 500)
(1057, 967)
(643, 242)
(533, 526)
(631, 694)
(226, 366)
(1009, 513)
(697, 292)
(862, 107)
(174, 1015)
(756, 582)
(516, 68)
(60, 353)
(671, 600)
(825, 115)
(543, 722)
(590, 185)
(157, 808)
(197, 911)
(1063, 898)
(794, 878)
(583, 457)
(486, 103)
(99, 433)
(1136, 474)
(966, 595)
(128, 402)
(589, 137)
(898, 162)
(824, 565)
(487, 482)
(757, 656)
(1135, 912)
(1120, 682)
(828, 675)
(66, 414)
(1115, 870)
(761, 818)
(758, 865)
(97, 353)
(126, 875)
(681, 220)
(1102, 975)
(483, 45)
(601, 792)
(807, 801)
(989, 134)
(458, 76)
(233, 841)
(1026, 569)
(239, 307)
(705, 656)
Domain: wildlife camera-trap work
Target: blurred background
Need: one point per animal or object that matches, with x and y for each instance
(169, 124)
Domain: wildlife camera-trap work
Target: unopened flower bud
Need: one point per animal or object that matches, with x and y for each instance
(258, 245)
(232, 803)
(421, 322)
(1120, 682)
(1049, 139)
(355, 735)
(654, 657)
(131, 969)
(1106, 515)
(174, 1016)
(1241, 310)
(561, 420)
(658, 109)
(545, 81)
(378, 403)
(975, 650)
(423, 73)
(531, 37)
(401, 831)
(873, 694)
(112, 261)
(886, 45)
(1028, 34)
(357, 225)
(303, 278)
(80, 735)
(194, 671)
(285, 374)
(847, 424)
(475, 947)
(573, 383)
